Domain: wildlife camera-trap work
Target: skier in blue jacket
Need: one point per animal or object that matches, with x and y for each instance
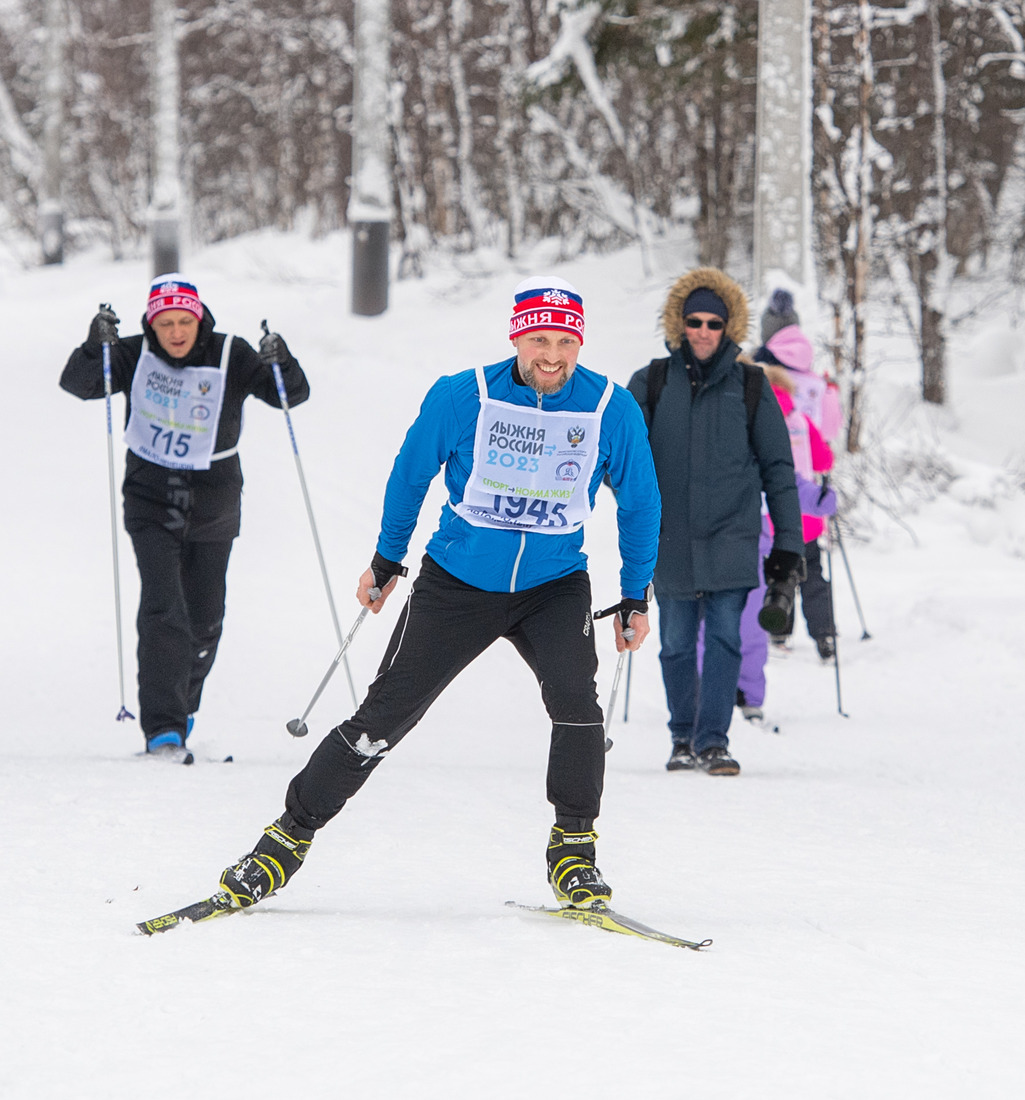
(525, 444)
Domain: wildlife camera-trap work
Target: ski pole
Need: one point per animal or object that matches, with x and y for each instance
(832, 623)
(628, 633)
(835, 527)
(626, 695)
(297, 726)
(280, 384)
(123, 713)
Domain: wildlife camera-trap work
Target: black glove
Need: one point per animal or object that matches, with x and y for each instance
(780, 564)
(783, 570)
(625, 608)
(274, 350)
(384, 570)
(103, 329)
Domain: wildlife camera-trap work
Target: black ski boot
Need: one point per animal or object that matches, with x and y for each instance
(279, 853)
(572, 874)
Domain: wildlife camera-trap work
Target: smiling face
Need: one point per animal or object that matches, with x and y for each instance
(547, 358)
(176, 331)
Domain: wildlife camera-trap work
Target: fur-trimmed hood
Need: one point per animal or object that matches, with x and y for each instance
(730, 292)
(779, 378)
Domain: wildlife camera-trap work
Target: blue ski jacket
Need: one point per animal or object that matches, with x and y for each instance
(512, 561)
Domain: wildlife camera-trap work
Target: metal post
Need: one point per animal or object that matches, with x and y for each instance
(369, 212)
(164, 213)
(50, 224)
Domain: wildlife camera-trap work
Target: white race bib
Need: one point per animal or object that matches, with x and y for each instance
(531, 467)
(176, 412)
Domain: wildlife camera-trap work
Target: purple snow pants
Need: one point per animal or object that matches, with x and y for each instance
(754, 642)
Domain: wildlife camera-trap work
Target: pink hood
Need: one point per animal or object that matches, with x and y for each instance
(792, 348)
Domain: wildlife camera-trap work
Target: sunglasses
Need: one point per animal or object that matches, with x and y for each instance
(696, 322)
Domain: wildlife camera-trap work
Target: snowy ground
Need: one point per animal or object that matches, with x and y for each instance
(862, 879)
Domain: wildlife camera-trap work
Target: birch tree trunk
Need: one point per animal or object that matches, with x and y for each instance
(830, 201)
(862, 223)
(934, 268)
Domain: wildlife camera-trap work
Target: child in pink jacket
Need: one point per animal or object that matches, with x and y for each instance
(812, 455)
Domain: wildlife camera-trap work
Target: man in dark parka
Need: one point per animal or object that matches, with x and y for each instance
(713, 464)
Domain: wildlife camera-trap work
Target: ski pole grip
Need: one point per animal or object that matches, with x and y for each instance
(384, 570)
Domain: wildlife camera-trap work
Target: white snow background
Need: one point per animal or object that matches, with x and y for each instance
(861, 879)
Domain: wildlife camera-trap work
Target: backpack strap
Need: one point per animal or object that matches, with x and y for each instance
(753, 375)
(658, 369)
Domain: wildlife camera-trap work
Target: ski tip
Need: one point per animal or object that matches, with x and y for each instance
(159, 924)
(216, 905)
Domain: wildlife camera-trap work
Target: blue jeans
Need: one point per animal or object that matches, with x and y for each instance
(701, 701)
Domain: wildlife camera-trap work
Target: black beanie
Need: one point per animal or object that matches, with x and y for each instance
(703, 300)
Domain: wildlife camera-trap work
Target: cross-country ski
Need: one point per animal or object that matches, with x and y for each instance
(600, 916)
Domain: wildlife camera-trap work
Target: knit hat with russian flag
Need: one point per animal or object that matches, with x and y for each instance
(172, 291)
(547, 302)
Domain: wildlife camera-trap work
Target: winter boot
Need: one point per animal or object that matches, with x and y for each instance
(169, 747)
(827, 651)
(279, 853)
(572, 874)
(717, 761)
(681, 760)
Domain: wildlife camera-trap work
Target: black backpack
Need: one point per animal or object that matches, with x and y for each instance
(753, 375)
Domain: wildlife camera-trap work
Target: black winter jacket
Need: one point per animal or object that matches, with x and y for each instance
(204, 504)
(711, 472)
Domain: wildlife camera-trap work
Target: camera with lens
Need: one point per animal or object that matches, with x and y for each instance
(784, 570)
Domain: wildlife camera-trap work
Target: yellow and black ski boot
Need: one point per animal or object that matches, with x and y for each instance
(278, 854)
(571, 870)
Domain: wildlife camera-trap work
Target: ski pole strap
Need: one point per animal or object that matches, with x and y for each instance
(384, 570)
(626, 608)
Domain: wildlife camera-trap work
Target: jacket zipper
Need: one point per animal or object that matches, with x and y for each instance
(523, 541)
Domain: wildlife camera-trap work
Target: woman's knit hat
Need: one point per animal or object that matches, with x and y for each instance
(778, 313)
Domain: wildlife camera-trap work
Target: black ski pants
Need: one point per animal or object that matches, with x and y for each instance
(181, 613)
(815, 595)
(443, 627)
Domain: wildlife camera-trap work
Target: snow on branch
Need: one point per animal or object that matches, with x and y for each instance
(615, 205)
(571, 46)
